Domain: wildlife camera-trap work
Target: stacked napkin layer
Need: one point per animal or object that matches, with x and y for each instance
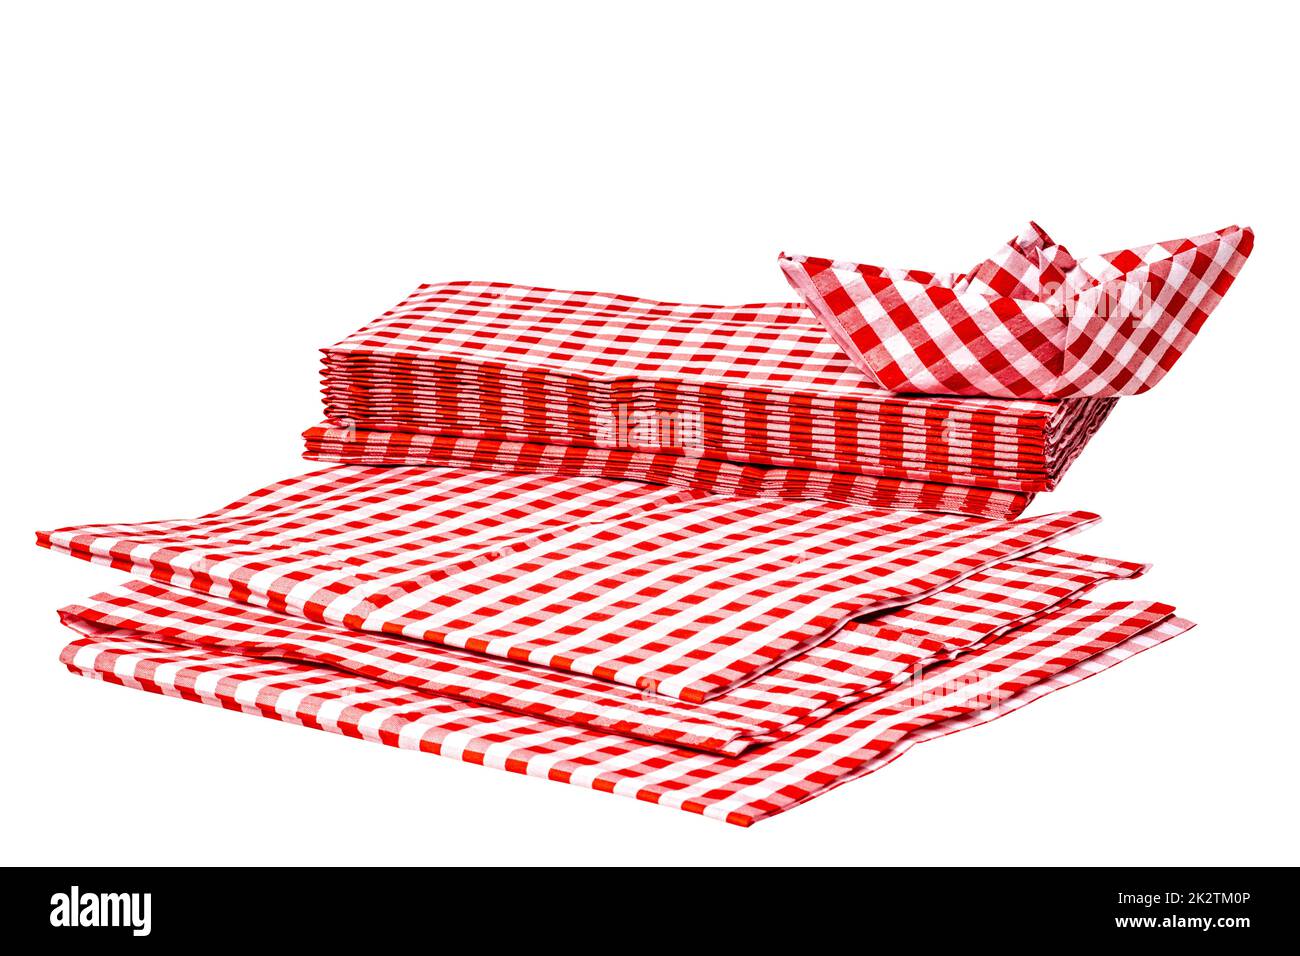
(727, 656)
(326, 442)
(651, 587)
(1005, 674)
(753, 385)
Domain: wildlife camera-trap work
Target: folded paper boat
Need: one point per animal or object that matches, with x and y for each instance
(1031, 322)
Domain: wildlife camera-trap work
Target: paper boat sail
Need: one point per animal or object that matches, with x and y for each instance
(1032, 321)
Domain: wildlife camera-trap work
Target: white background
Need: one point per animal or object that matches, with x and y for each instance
(194, 202)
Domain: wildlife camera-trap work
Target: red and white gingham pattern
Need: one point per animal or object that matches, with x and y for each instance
(756, 384)
(922, 452)
(865, 655)
(1030, 323)
(913, 449)
(605, 337)
(686, 597)
(350, 446)
(435, 394)
(1073, 643)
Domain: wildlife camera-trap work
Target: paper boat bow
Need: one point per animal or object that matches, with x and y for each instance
(1031, 322)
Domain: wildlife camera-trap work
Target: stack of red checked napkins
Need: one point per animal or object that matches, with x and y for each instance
(1032, 321)
(724, 655)
(696, 555)
(750, 399)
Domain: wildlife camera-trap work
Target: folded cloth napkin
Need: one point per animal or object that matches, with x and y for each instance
(1074, 641)
(657, 588)
(758, 384)
(865, 657)
(1031, 322)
